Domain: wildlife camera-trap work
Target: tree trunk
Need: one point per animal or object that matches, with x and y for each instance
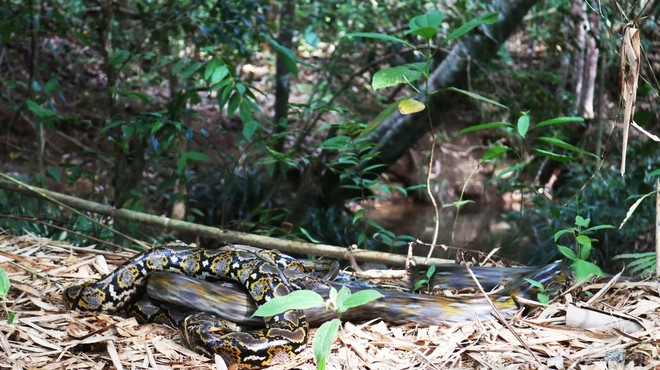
(282, 74)
(397, 134)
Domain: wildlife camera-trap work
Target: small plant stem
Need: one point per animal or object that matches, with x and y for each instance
(460, 199)
(436, 209)
(657, 228)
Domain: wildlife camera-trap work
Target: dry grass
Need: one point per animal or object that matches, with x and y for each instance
(45, 336)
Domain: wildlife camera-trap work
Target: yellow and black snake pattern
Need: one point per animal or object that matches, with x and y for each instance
(208, 311)
(282, 338)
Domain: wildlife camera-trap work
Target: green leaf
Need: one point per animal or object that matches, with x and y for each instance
(4, 283)
(11, 317)
(358, 215)
(477, 97)
(535, 283)
(296, 300)
(561, 232)
(196, 156)
(358, 299)
(543, 298)
(567, 252)
(562, 144)
(410, 106)
(654, 173)
(289, 58)
(559, 120)
(393, 76)
(378, 36)
(632, 208)
(381, 117)
(142, 97)
(340, 298)
(581, 221)
(426, 25)
(585, 250)
(495, 152)
(118, 58)
(552, 155)
(322, 344)
(336, 143)
(523, 125)
(583, 270)
(485, 126)
(489, 18)
(215, 72)
(306, 233)
(54, 173)
(38, 111)
(194, 67)
(458, 203)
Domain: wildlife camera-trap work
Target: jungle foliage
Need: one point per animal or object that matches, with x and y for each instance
(166, 107)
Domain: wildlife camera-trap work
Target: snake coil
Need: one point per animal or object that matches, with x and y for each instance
(260, 272)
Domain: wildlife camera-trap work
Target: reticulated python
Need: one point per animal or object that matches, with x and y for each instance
(264, 274)
(284, 336)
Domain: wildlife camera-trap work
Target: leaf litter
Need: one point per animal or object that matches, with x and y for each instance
(46, 336)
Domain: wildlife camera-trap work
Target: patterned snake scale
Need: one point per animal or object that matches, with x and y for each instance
(208, 311)
(283, 337)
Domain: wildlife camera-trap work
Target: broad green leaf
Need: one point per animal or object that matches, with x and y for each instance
(4, 283)
(39, 111)
(561, 232)
(358, 299)
(585, 250)
(567, 252)
(523, 125)
(144, 98)
(581, 221)
(358, 215)
(290, 60)
(564, 145)
(194, 67)
(426, 25)
(217, 74)
(307, 234)
(340, 298)
(654, 173)
(234, 102)
(393, 76)
(552, 155)
(118, 58)
(11, 317)
(54, 173)
(322, 344)
(495, 152)
(485, 126)
(477, 97)
(584, 270)
(382, 116)
(559, 120)
(535, 283)
(336, 143)
(378, 36)
(296, 300)
(410, 106)
(489, 18)
(196, 156)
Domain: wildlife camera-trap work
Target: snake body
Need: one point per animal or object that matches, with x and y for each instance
(208, 311)
(282, 338)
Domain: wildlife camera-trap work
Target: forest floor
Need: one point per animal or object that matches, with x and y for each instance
(46, 336)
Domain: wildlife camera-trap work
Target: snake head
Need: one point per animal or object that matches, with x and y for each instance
(84, 298)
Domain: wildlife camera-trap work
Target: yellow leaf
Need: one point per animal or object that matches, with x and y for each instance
(410, 106)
